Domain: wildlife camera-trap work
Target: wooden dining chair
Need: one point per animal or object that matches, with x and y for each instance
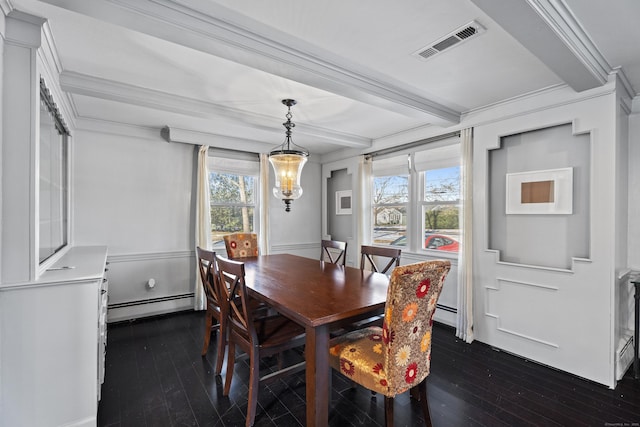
(209, 277)
(369, 259)
(257, 337)
(370, 255)
(241, 245)
(396, 357)
(334, 250)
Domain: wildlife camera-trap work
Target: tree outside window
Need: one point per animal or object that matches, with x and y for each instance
(233, 204)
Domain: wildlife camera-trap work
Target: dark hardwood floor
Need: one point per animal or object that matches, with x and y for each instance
(156, 377)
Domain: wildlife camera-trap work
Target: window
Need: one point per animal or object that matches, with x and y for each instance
(233, 193)
(53, 178)
(416, 199)
(390, 202)
(441, 208)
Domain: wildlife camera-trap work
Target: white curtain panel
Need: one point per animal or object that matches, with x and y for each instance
(464, 326)
(203, 220)
(363, 201)
(263, 236)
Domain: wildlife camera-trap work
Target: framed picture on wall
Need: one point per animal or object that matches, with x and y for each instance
(343, 202)
(540, 192)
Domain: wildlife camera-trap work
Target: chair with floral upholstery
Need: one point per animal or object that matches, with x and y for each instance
(397, 357)
(241, 245)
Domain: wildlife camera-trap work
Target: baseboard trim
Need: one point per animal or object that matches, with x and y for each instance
(624, 356)
(150, 307)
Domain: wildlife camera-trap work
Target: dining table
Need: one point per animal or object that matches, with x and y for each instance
(319, 296)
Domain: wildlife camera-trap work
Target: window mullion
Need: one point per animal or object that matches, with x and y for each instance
(413, 222)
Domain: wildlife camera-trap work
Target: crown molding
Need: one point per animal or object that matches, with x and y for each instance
(6, 6)
(562, 21)
(237, 38)
(51, 69)
(549, 30)
(82, 84)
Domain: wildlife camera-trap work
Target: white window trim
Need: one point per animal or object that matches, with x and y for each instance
(415, 226)
(242, 170)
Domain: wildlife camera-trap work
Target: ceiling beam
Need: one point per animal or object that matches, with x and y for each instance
(240, 39)
(548, 29)
(96, 87)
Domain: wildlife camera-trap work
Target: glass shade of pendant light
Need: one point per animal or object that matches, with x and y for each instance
(287, 160)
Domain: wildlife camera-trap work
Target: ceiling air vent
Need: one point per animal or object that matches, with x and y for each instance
(463, 33)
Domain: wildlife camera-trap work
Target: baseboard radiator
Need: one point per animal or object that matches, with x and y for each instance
(149, 307)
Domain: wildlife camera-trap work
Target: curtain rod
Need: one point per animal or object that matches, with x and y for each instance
(410, 145)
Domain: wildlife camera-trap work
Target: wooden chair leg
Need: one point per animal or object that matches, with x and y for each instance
(414, 393)
(222, 344)
(254, 379)
(388, 411)
(207, 332)
(231, 358)
(422, 387)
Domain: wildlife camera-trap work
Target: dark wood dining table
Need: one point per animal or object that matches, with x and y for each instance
(320, 296)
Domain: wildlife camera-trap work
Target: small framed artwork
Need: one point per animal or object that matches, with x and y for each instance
(343, 202)
(540, 192)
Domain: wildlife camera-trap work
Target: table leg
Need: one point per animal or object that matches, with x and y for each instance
(317, 358)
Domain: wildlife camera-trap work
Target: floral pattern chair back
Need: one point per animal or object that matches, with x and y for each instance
(241, 245)
(406, 332)
(396, 357)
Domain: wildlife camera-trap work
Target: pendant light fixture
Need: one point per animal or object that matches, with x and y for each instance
(287, 160)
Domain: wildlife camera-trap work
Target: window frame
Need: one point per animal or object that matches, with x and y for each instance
(54, 185)
(417, 203)
(212, 168)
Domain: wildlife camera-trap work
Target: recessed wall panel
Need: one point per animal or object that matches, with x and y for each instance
(540, 239)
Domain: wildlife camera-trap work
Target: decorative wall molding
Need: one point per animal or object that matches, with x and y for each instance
(531, 103)
(500, 282)
(149, 256)
(295, 247)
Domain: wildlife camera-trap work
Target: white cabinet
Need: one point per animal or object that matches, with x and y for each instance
(52, 343)
(102, 331)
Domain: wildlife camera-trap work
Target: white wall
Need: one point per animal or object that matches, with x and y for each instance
(298, 232)
(559, 317)
(134, 194)
(634, 193)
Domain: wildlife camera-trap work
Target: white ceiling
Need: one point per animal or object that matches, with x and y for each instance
(219, 69)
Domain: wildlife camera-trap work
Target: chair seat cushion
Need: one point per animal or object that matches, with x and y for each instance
(358, 355)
